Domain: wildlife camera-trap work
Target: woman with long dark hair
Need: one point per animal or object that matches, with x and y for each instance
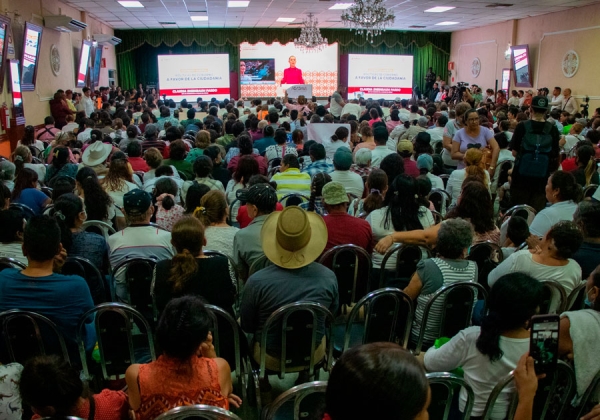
(30, 140)
(476, 205)
(98, 204)
(25, 191)
(246, 167)
(376, 187)
(60, 166)
(488, 353)
(337, 140)
(401, 212)
(316, 193)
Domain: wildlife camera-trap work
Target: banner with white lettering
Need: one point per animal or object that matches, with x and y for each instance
(294, 91)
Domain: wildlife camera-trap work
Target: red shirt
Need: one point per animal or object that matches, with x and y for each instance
(343, 229)
(138, 164)
(110, 405)
(410, 167)
(569, 165)
(292, 76)
(244, 220)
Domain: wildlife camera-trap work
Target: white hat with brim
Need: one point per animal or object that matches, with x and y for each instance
(96, 153)
(293, 238)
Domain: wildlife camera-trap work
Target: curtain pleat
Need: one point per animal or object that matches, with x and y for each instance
(136, 55)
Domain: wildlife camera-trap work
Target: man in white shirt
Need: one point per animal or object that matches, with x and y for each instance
(337, 103)
(569, 103)
(557, 98)
(87, 132)
(352, 182)
(380, 151)
(352, 107)
(437, 132)
(88, 103)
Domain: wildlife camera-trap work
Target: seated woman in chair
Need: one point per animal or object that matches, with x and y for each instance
(488, 353)
(451, 266)
(188, 371)
(52, 388)
(190, 272)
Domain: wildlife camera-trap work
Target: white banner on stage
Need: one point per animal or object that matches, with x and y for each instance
(294, 91)
(322, 132)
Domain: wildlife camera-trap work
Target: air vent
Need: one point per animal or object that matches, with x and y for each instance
(196, 11)
(416, 27)
(168, 23)
(295, 24)
(499, 5)
(333, 20)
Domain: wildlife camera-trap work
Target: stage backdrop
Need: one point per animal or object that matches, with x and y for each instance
(137, 63)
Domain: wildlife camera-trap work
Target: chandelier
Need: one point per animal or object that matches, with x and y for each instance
(367, 17)
(310, 38)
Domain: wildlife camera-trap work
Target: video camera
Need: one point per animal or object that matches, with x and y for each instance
(585, 107)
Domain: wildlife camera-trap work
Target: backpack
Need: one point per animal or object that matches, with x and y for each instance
(535, 151)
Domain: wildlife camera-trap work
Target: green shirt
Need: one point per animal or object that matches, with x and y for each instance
(185, 123)
(186, 168)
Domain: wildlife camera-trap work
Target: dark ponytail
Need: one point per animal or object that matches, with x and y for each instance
(513, 300)
(169, 187)
(318, 182)
(66, 211)
(377, 182)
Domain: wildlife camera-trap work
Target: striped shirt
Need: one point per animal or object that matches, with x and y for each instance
(292, 181)
(436, 273)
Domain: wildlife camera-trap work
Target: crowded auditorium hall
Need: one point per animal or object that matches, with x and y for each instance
(303, 209)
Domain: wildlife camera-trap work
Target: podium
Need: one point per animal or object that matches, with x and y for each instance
(294, 91)
(16, 131)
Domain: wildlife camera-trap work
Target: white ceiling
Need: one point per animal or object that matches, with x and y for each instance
(264, 13)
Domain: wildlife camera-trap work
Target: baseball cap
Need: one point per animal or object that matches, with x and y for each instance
(540, 102)
(405, 146)
(136, 202)
(342, 159)
(334, 193)
(425, 161)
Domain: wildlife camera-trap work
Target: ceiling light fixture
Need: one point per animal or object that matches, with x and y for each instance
(199, 18)
(310, 39)
(237, 3)
(447, 23)
(440, 9)
(341, 6)
(287, 20)
(130, 3)
(368, 17)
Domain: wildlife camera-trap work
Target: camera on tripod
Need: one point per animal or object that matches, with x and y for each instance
(585, 107)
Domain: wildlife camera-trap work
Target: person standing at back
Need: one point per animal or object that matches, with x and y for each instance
(535, 145)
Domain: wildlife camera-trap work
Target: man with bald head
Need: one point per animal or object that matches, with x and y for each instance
(569, 103)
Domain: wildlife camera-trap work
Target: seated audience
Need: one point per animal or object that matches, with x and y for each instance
(242, 215)
(166, 197)
(362, 162)
(201, 143)
(490, 352)
(139, 239)
(292, 240)
(26, 192)
(118, 182)
(339, 139)
(473, 167)
(352, 182)
(98, 204)
(38, 289)
(47, 132)
(247, 167)
(315, 202)
(342, 228)
(7, 174)
(517, 233)
(213, 212)
(177, 152)
(376, 187)
(190, 272)
(289, 179)
(551, 260)
(586, 172)
(588, 255)
(425, 165)
(266, 141)
(319, 162)
(53, 388)
(60, 166)
(561, 192)
(12, 226)
(22, 158)
(405, 150)
(245, 145)
(134, 156)
(95, 156)
(280, 149)
(380, 136)
(29, 139)
(261, 200)
(219, 172)
(188, 371)
(382, 372)
(450, 266)
(193, 197)
(368, 141)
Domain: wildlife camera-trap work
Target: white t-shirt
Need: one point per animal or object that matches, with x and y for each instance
(350, 180)
(436, 181)
(117, 196)
(334, 107)
(548, 217)
(38, 144)
(351, 108)
(569, 276)
(377, 221)
(449, 131)
(378, 153)
(479, 372)
(455, 182)
(437, 135)
(332, 146)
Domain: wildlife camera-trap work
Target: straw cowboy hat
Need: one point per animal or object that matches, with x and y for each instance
(96, 153)
(293, 238)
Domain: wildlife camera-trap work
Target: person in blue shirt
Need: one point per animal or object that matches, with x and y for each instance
(37, 288)
(319, 162)
(268, 140)
(26, 191)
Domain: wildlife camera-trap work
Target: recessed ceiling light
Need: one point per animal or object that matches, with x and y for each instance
(199, 18)
(237, 3)
(128, 3)
(288, 20)
(440, 9)
(341, 6)
(447, 23)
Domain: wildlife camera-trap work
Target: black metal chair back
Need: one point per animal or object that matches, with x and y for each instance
(407, 258)
(198, 412)
(120, 331)
(352, 267)
(28, 213)
(554, 298)
(293, 199)
(99, 288)
(238, 278)
(306, 401)
(576, 299)
(440, 199)
(138, 273)
(6, 262)
(100, 228)
(27, 334)
(259, 264)
(487, 255)
(444, 387)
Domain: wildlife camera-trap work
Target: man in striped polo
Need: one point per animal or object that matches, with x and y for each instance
(290, 179)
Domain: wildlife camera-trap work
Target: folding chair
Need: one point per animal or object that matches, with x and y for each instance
(6, 262)
(440, 199)
(554, 299)
(576, 299)
(27, 334)
(293, 199)
(96, 281)
(443, 387)
(239, 284)
(120, 330)
(138, 274)
(300, 402)
(198, 412)
(98, 227)
(407, 258)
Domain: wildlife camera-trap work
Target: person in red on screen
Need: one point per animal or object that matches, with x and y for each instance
(292, 75)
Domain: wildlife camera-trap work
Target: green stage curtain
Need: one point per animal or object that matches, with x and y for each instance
(136, 55)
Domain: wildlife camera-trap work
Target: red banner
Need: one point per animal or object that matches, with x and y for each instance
(381, 90)
(194, 91)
